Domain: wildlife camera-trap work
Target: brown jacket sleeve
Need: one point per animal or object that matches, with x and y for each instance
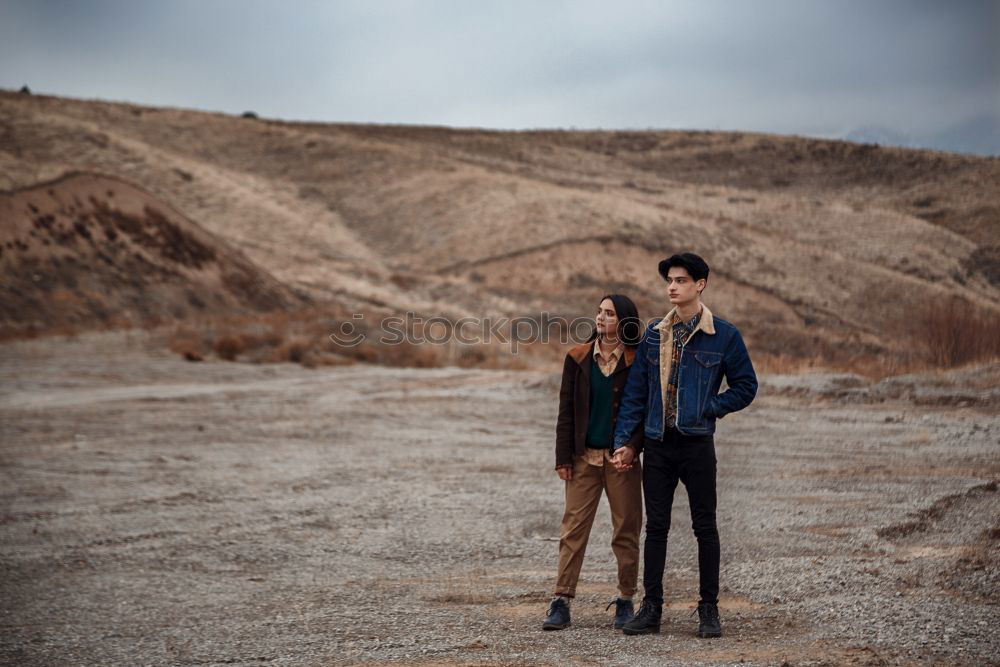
(566, 422)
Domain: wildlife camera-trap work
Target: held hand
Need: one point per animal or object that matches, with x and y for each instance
(627, 455)
(624, 458)
(565, 473)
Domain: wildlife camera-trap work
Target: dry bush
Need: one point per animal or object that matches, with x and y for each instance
(470, 356)
(294, 351)
(362, 354)
(304, 337)
(228, 347)
(188, 343)
(406, 281)
(957, 332)
(249, 340)
(309, 359)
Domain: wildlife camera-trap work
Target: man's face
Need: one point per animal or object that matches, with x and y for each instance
(681, 289)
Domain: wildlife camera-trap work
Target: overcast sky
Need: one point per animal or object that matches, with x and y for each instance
(919, 68)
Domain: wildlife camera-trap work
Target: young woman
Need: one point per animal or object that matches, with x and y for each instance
(593, 381)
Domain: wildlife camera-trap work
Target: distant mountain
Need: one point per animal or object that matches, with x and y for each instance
(874, 134)
(977, 136)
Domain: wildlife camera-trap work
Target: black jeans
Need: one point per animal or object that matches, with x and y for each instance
(690, 459)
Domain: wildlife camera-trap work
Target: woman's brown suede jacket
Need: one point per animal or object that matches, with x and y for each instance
(574, 401)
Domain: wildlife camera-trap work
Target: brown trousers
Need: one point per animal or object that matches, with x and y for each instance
(583, 493)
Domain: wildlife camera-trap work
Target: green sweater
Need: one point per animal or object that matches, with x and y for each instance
(600, 424)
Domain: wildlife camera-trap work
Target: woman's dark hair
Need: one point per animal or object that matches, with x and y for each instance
(630, 327)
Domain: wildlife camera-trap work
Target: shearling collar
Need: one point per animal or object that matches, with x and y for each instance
(705, 324)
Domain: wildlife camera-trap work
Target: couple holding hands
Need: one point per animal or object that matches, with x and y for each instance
(654, 391)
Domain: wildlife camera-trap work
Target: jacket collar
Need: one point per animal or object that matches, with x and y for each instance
(616, 354)
(705, 324)
(580, 354)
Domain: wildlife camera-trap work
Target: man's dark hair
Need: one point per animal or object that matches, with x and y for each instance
(696, 267)
(630, 327)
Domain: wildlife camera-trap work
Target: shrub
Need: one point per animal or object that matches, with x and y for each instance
(228, 347)
(187, 343)
(958, 332)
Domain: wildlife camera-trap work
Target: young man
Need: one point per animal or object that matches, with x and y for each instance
(673, 391)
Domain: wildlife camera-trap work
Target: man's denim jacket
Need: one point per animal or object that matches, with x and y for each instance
(714, 350)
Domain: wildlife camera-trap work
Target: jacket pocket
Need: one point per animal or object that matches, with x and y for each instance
(708, 366)
(653, 356)
(709, 412)
(708, 359)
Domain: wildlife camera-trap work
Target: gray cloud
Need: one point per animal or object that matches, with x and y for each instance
(919, 67)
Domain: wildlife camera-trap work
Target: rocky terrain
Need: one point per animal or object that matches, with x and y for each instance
(154, 511)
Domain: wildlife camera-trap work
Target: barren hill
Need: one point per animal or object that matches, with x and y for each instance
(88, 248)
(817, 246)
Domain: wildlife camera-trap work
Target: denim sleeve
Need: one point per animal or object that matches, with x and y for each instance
(740, 377)
(632, 411)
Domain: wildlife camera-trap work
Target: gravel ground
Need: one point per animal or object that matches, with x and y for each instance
(156, 511)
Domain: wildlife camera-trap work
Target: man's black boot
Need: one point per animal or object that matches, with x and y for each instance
(558, 617)
(624, 611)
(709, 624)
(647, 621)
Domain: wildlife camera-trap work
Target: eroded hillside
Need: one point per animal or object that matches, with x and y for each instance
(816, 246)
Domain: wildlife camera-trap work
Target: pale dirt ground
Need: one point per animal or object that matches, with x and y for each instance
(156, 511)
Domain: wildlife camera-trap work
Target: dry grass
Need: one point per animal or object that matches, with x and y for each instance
(946, 336)
(941, 336)
(792, 225)
(304, 337)
(227, 347)
(873, 367)
(956, 333)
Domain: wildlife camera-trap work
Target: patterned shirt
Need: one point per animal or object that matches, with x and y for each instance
(681, 333)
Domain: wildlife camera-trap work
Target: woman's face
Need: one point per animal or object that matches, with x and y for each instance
(607, 318)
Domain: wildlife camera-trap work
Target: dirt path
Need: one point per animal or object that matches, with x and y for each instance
(155, 511)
